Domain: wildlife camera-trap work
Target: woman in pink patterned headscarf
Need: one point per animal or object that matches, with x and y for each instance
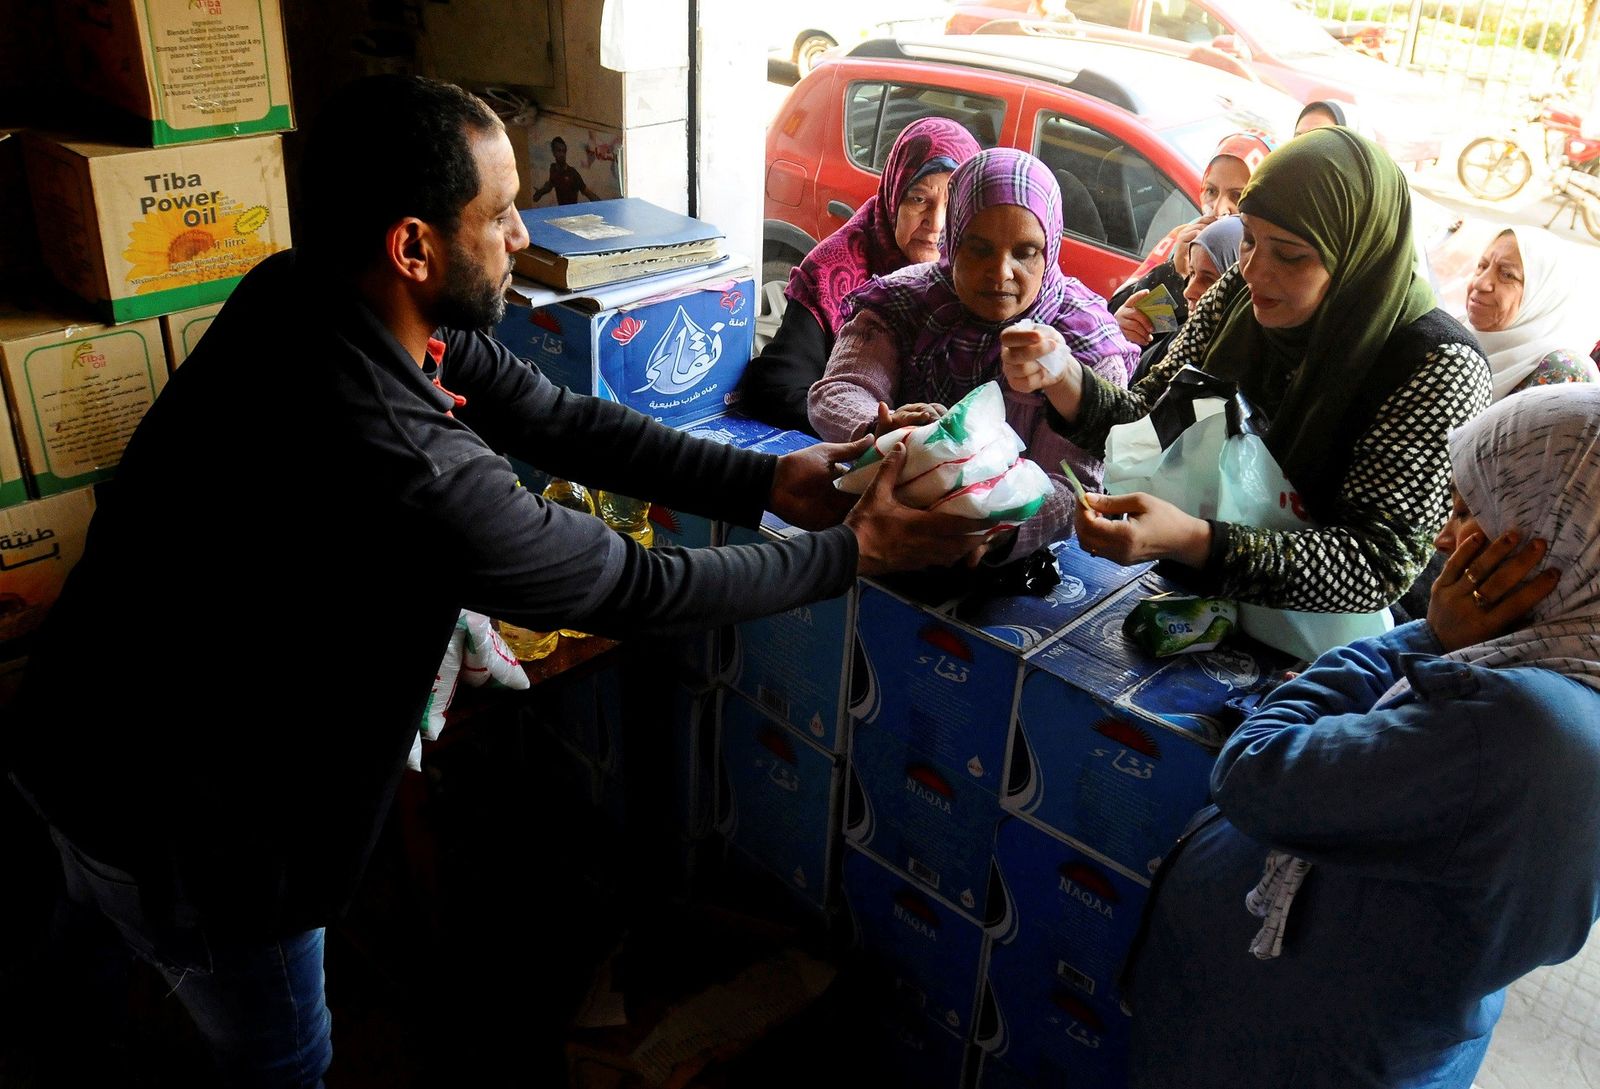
(924, 337)
(900, 225)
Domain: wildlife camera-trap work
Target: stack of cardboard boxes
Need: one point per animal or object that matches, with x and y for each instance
(149, 222)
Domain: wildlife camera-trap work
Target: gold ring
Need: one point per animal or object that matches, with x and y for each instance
(1482, 604)
(1466, 573)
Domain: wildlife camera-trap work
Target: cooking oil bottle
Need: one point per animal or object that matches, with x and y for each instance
(528, 646)
(573, 496)
(629, 517)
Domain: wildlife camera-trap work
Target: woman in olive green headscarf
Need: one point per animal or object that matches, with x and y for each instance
(1325, 325)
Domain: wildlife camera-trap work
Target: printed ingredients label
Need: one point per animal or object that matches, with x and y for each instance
(87, 398)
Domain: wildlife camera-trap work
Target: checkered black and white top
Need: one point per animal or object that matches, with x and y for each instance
(1395, 489)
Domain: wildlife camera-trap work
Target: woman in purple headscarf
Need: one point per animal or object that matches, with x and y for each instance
(924, 337)
(900, 225)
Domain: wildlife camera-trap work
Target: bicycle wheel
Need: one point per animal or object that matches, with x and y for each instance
(1493, 168)
(1590, 206)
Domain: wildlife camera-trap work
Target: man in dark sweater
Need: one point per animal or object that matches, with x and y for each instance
(326, 468)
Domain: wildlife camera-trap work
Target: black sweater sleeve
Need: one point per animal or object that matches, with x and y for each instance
(600, 443)
(775, 385)
(512, 555)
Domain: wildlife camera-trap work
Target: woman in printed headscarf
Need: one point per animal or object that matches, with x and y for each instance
(924, 337)
(1530, 319)
(899, 225)
(1325, 325)
(1235, 161)
(1214, 251)
(1409, 825)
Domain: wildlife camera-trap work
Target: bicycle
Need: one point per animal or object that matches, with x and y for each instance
(1498, 168)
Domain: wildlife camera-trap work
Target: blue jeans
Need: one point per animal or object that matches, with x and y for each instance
(259, 1005)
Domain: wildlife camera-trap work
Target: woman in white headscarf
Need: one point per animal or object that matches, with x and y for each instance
(1409, 825)
(1531, 319)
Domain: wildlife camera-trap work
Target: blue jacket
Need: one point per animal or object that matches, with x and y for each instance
(1456, 841)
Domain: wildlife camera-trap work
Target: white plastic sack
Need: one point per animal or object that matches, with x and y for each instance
(1006, 500)
(1234, 478)
(475, 654)
(967, 452)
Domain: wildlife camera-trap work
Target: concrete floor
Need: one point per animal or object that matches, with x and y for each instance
(1549, 1035)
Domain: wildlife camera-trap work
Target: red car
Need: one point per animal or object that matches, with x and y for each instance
(1127, 131)
(1286, 47)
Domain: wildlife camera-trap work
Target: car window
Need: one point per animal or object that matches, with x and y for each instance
(1184, 21)
(1105, 12)
(1111, 195)
(876, 112)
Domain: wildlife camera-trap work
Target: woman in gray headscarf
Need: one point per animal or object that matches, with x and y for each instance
(1424, 801)
(1214, 251)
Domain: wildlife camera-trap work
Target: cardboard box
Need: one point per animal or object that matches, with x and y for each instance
(778, 799)
(181, 71)
(183, 330)
(695, 654)
(39, 543)
(1045, 1033)
(1114, 748)
(994, 1074)
(927, 820)
(922, 946)
(78, 391)
(796, 664)
(946, 686)
(899, 1047)
(141, 232)
(20, 260)
(676, 357)
(1072, 913)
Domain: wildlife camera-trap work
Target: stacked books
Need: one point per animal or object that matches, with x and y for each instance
(575, 246)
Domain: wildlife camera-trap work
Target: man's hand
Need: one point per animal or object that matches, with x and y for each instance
(1484, 592)
(1153, 530)
(891, 536)
(802, 486)
(1135, 323)
(912, 415)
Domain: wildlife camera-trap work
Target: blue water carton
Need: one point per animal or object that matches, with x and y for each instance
(584, 711)
(925, 950)
(1044, 1033)
(778, 798)
(1074, 913)
(896, 1047)
(692, 742)
(1114, 748)
(994, 1074)
(796, 663)
(933, 822)
(1026, 620)
(939, 662)
(698, 655)
(676, 356)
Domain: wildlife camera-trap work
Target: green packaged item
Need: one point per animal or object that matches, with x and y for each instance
(1169, 624)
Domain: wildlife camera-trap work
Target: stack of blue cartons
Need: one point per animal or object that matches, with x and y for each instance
(1111, 754)
(784, 727)
(933, 692)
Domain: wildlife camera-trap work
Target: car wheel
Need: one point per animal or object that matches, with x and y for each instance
(769, 315)
(1492, 168)
(809, 50)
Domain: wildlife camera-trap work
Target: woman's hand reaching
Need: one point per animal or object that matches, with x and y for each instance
(1484, 590)
(912, 415)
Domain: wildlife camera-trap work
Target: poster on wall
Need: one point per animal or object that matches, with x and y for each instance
(570, 163)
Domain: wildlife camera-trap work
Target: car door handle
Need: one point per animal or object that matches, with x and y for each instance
(841, 209)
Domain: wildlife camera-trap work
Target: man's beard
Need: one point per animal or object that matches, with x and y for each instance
(469, 300)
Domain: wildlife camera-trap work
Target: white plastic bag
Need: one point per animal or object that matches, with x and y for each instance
(1218, 468)
(970, 452)
(476, 655)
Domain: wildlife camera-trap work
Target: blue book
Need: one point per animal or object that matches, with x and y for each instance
(573, 246)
